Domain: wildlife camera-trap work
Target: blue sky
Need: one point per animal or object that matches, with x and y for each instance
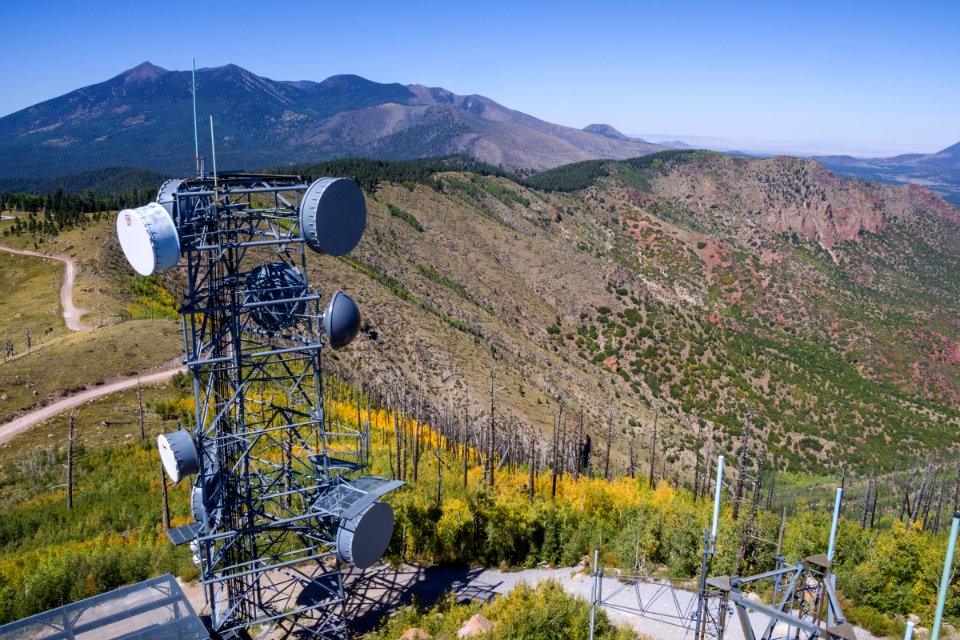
(870, 77)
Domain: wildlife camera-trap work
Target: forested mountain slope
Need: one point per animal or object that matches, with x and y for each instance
(717, 290)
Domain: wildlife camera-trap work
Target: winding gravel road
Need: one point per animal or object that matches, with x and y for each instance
(71, 314)
(24, 422)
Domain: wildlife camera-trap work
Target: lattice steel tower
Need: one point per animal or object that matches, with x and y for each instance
(278, 499)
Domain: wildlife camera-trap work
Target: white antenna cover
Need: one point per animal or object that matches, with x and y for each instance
(178, 454)
(362, 539)
(167, 196)
(148, 238)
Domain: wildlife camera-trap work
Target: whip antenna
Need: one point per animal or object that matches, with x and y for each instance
(213, 152)
(196, 137)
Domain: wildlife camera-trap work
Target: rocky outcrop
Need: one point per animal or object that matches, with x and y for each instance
(475, 626)
(784, 195)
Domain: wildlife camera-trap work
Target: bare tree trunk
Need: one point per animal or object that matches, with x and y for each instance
(532, 459)
(577, 462)
(606, 459)
(553, 470)
(466, 449)
(492, 432)
(143, 433)
(866, 502)
(696, 467)
(396, 442)
(415, 457)
(708, 481)
(773, 483)
(914, 509)
(71, 438)
(757, 486)
(936, 521)
(436, 452)
(365, 448)
(563, 437)
(738, 494)
(663, 460)
(165, 504)
(653, 449)
(404, 448)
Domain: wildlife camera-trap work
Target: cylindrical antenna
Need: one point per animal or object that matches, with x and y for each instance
(716, 501)
(213, 152)
(833, 527)
(196, 135)
(908, 634)
(945, 578)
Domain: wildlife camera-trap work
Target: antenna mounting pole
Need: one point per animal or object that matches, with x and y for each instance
(196, 136)
(213, 151)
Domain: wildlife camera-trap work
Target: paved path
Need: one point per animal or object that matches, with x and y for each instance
(24, 422)
(71, 314)
(381, 590)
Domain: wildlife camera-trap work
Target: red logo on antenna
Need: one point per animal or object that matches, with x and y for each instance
(126, 217)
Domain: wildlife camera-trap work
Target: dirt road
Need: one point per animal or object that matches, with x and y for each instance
(71, 314)
(24, 422)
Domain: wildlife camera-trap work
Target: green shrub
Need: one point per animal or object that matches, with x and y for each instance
(406, 216)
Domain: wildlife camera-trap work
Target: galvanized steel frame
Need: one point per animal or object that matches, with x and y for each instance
(266, 553)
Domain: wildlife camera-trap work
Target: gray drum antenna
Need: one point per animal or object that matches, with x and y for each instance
(333, 215)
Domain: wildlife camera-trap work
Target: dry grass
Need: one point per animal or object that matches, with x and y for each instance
(31, 301)
(107, 421)
(82, 359)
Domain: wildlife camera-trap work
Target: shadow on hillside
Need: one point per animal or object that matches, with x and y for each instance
(377, 592)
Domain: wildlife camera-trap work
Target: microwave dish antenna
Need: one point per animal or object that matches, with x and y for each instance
(279, 496)
(148, 237)
(333, 215)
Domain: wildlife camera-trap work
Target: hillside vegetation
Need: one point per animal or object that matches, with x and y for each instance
(668, 307)
(701, 288)
(448, 512)
(711, 287)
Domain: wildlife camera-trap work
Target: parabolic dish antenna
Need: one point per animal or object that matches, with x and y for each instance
(148, 238)
(333, 215)
(362, 539)
(178, 454)
(276, 294)
(341, 320)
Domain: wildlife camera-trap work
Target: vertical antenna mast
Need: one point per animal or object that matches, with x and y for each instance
(196, 137)
(213, 151)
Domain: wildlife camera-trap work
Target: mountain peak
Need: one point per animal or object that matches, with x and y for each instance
(345, 80)
(953, 150)
(144, 72)
(270, 122)
(605, 130)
